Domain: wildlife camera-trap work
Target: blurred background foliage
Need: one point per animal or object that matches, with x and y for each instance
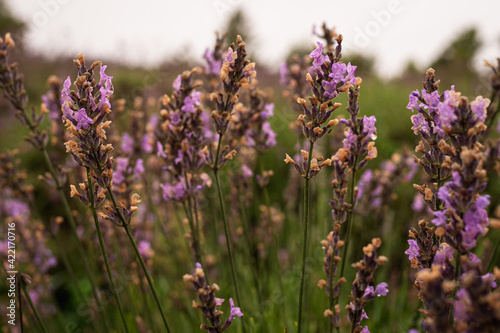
(386, 98)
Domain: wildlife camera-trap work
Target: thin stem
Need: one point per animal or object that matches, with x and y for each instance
(189, 216)
(32, 306)
(228, 241)
(103, 250)
(139, 257)
(148, 277)
(349, 222)
(305, 231)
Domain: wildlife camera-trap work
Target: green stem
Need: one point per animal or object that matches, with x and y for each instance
(305, 231)
(349, 223)
(32, 306)
(103, 250)
(228, 240)
(189, 216)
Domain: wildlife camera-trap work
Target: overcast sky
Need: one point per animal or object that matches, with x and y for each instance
(148, 31)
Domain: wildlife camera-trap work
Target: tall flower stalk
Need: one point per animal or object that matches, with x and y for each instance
(235, 73)
(451, 128)
(11, 81)
(332, 77)
(85, 111)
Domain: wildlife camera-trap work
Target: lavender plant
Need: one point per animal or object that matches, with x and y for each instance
(207, 302)
(452, 154)
(84, 116)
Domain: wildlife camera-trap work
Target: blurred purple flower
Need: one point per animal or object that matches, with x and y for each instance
(412, 251)
(82, 119)
(127, 144)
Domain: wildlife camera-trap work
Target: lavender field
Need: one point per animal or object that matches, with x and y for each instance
(224, 194)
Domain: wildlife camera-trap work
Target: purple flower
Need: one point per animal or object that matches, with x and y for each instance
(418, 203)
(365, 330)
(284, 73)
(160, 151)
(105, 80)
(15, 208)
(318, 57)
(119, 176)
(268, 111)
(369, 127)
(247, 172)
(371, 293)
(146, 145)
(139, 168)
(412, 251)
(177, 83)
(420, 125)
(330, 89)
(145, 249)
(65, 93)
(235, 311)
(413, 104)
(219, 301)
(363, 183)
(440, 218)
(82, 119)
(479, 107)
(460, 305)
(381, 289)
(190, 102)
(444, 254)
(175, 192)
(127, 143)
(230, 56)
(270, 135)
(213, 66)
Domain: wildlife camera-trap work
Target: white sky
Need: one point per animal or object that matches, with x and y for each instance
(148, 31)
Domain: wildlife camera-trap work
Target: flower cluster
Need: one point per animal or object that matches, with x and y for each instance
(235, 73)
(251, 124)
(84, 115)
(12, 84)
(476, 305)
(360, 133)
(363, 289)
(207, 302)
(181, 134)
